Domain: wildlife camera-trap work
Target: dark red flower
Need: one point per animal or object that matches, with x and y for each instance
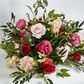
(44, 47)
(25, 48)
(61, 30)
(47, 66)
(76, 56)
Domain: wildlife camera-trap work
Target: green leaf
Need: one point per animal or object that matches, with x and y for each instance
(17, 78)
(60, 75)
(4, 26)
(6, 30)
(63, 73)
(16, 82)
(81, 24)
(51, 13)
(50, 81)
(12, 17)
(64, 70)
(45, 2)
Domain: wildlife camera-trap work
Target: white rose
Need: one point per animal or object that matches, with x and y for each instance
(57, 25)
(38, 30)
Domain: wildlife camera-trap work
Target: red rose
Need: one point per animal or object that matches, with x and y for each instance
(21, 24)
(76, 56)
(44, 47)
(50, 69)
(25, 48)
(47, 66)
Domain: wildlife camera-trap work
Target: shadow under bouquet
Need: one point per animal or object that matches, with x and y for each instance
(37, 46)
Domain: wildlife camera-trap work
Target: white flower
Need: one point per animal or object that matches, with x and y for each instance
(38, 30)
(26, 63)
(65, 49)
(57, 25)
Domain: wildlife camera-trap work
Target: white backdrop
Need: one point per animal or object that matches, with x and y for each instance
(73, 9)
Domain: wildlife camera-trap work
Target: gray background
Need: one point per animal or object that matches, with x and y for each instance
(73, 9)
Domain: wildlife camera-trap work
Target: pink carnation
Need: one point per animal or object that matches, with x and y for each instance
(21, 24)
(75, 39)
(44, 47)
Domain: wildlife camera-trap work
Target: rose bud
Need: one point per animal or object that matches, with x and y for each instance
(76, 56)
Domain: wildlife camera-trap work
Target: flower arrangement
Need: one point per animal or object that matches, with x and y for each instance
(37, 46)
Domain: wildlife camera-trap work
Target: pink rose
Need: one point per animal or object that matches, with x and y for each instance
(38, 30)
(21, 24)
(44, 47)
(75, 39)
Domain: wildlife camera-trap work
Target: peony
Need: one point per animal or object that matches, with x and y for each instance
(44, 47)
(38, 30)
(75, 39)
(76, 56)
(47, 66)
(26, 63)
(25, 48)
(21, 24)
(57, 25)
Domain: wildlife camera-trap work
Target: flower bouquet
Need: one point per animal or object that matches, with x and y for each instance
(35, 47)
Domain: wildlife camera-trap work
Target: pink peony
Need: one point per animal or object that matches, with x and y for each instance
(38, 30)
(75, 39)
(21, 24)
(44, 47)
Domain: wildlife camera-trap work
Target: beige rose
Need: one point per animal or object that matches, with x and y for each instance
(56, 25)
(26, 63)
(12, 62)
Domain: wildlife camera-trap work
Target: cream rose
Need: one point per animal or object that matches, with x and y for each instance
(26, 63)
(56, 25)
(38, 30)
(12, 62)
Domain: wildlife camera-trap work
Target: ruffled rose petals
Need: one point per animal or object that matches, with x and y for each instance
(38, 30)
(44, 47)
(26, 63)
